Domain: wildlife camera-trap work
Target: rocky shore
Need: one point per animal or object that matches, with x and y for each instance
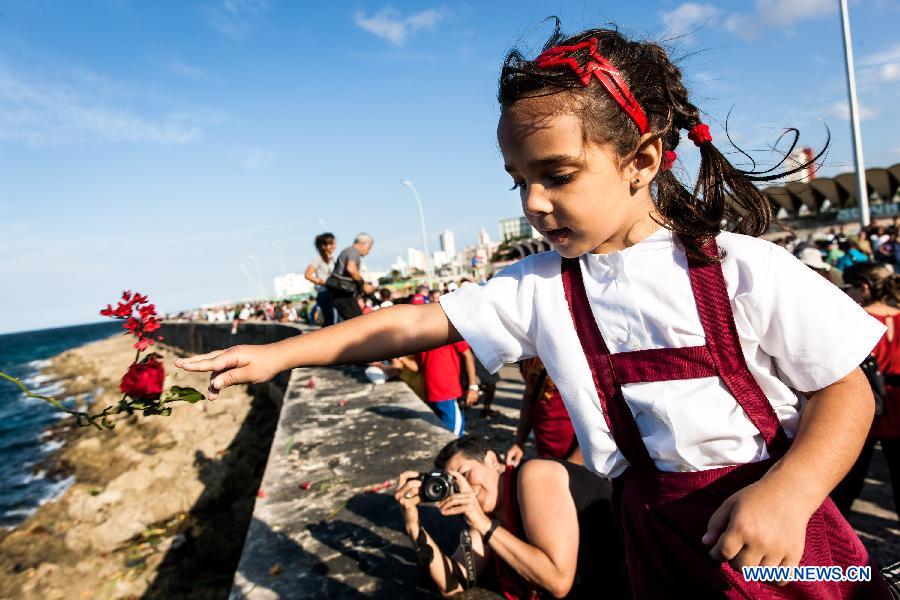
(159, 506)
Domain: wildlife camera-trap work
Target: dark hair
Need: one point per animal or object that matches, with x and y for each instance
(322, 240)
(472, 446)
(723, 196)
(884, 285)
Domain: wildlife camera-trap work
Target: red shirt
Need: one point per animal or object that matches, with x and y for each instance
(440, 369)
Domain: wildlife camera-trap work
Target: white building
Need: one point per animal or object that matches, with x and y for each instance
(440, 258)
(516, 228)
(448, 243)
(483, 238)
(401, 266)
(291, 284)
(416, 259)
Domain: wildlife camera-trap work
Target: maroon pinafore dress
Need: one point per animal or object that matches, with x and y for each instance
(663, 515)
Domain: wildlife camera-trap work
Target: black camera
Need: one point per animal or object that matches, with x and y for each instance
(436, 485)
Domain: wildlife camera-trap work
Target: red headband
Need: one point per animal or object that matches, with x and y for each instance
(600, 68)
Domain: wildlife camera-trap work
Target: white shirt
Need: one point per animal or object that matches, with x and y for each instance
(796, 329)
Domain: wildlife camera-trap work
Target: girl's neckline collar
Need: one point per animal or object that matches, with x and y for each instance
(660, 235)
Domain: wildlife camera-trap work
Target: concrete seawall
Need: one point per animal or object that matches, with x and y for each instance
(325, 523)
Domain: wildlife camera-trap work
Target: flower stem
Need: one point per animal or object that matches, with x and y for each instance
(28, 393)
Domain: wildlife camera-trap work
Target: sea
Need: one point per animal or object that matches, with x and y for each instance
(24, 439)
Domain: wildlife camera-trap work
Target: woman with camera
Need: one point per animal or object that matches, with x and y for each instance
(523, 525)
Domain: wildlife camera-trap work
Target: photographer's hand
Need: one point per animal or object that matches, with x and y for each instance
(465, 503)
(407, 496)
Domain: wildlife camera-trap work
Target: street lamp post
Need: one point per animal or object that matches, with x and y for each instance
(281, 254)
(862, 194)
(250, 280)
(428, 270)
(262, 286)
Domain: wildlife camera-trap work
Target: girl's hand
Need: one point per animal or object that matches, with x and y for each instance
(465, 503)
(471, 398)
(234, 366)
(514, 455)
(758, 526)
(407, 495)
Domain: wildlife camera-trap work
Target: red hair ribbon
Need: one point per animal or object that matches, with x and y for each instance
(668, 160)
(700, 134)
(599, 67)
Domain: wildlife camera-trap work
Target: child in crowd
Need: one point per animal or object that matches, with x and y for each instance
(675, 345)
(544, 413)
(440, 369)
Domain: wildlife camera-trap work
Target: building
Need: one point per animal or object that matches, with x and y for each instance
(483, 238)
(801, 156)
(440, 258)
(416, 259)
(516, 228)
(291, 284)
(448, 243)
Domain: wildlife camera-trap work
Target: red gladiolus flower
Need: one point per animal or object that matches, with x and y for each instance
(144, 380)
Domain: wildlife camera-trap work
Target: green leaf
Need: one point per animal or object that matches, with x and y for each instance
(182, 394)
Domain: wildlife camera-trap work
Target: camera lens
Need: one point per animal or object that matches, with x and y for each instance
(436, 489)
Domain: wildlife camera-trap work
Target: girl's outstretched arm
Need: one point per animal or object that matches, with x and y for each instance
(383, 334)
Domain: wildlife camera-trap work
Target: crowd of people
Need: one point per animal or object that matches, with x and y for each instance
(831, 253)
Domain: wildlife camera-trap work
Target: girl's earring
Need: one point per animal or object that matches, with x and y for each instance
(637, 181)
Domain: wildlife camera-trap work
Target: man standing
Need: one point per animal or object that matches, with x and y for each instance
(346, 283)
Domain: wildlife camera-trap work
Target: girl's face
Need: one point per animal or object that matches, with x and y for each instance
(577, 194)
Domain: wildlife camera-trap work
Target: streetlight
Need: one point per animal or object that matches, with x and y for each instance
(281, 253)
(262, 286)
(250, 280)
(428, 272)
(862, 194)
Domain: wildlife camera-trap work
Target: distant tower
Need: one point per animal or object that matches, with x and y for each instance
(448, 243)
(798, 157)
(483, 238)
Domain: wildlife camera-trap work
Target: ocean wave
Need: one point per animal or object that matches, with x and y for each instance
(19, 512)
(38, 379)
(38, 364)
(52, 446)
(57, 489)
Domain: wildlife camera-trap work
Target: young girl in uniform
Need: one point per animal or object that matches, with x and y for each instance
(676, 345)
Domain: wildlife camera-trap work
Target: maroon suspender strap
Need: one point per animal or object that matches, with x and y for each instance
(663, 364)
(612, 403)
(717, 318)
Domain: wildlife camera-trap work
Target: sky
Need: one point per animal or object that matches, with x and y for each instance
(168, 146)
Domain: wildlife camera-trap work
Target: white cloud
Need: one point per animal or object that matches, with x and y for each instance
(390, 25)
(39, 113)
(778, 14)
(841, 110)
(880, 67)
(183, 69)
(257, 158)
(687, 18)
(236, 18)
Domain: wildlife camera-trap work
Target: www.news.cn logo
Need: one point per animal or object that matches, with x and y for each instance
(808, 573)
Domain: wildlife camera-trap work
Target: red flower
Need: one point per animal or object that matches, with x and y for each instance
(107, 312)
(151, 326)
(143, 343)
(143, 380)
